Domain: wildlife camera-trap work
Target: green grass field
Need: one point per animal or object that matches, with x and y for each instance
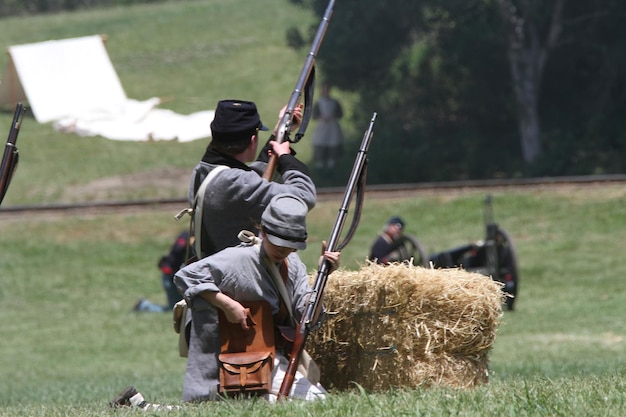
(193, 53)
(70, 341)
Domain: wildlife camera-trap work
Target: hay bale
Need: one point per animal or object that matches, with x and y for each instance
(403, 325)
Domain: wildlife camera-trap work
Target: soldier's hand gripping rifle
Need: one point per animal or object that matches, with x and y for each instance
(11, 155)
(305, 82)
(313, 307)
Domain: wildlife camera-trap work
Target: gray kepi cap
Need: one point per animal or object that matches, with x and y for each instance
(284, 221)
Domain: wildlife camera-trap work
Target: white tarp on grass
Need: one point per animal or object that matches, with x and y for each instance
(72, 83)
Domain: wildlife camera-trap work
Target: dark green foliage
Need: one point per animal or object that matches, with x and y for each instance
(294, 38)
(438, 74)
(584, 95)
(16, 7)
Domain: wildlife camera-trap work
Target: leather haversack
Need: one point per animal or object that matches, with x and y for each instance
(247, 356)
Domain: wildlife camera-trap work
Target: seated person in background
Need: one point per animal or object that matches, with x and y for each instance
(383, 249)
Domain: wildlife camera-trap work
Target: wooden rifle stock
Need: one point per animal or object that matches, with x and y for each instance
(11, 156)
(286, 121)
(313, 308)
(270, 168)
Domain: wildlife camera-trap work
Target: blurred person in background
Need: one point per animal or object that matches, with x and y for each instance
(169, 264)
(328, 137)
(383, 250)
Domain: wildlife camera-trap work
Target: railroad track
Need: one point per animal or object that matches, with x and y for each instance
(324, 194)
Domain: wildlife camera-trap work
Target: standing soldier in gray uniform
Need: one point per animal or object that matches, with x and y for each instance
(236, 197)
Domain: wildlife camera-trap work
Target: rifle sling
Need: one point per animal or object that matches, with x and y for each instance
(360, 192)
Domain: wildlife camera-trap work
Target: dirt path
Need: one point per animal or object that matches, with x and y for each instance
(615, 188)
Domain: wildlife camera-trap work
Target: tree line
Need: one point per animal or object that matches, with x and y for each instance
(26, 7)
(471, 89)
(468, 88)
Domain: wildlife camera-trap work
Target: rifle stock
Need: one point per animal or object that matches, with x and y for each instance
(313, 307)
(270, 168)
(305, 77)
(11, 155)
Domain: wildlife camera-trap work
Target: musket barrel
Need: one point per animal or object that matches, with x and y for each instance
(284, 126)
(313, 307)
(10, 156)
(357, 169)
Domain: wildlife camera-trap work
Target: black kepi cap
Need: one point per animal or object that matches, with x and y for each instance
(235, 119)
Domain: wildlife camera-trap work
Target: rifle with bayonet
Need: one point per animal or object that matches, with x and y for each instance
(11, 155)
(314, 306)
(305, 83)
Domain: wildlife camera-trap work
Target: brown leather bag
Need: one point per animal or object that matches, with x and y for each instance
(247, 356)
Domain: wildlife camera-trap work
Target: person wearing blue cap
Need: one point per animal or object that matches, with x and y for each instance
(236, 197)
(382, 250)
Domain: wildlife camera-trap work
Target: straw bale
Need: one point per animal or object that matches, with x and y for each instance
(404, 325)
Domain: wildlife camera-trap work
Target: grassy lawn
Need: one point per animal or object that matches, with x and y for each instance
(69, 282)
(193, 53)
(72, 342)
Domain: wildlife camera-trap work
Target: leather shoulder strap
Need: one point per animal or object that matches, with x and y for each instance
(282, 289)
(198, 208)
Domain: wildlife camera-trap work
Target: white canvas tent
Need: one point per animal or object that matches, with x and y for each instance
(73, 84)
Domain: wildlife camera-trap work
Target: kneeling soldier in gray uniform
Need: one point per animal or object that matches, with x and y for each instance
(266, 270)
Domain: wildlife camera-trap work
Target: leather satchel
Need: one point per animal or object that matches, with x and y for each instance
(246, 372)
(247, 356)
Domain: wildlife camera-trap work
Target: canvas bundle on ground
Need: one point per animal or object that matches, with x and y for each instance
(247, 356)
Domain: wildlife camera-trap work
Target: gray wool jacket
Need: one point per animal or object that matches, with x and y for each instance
(238, 272)
(236, 197)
